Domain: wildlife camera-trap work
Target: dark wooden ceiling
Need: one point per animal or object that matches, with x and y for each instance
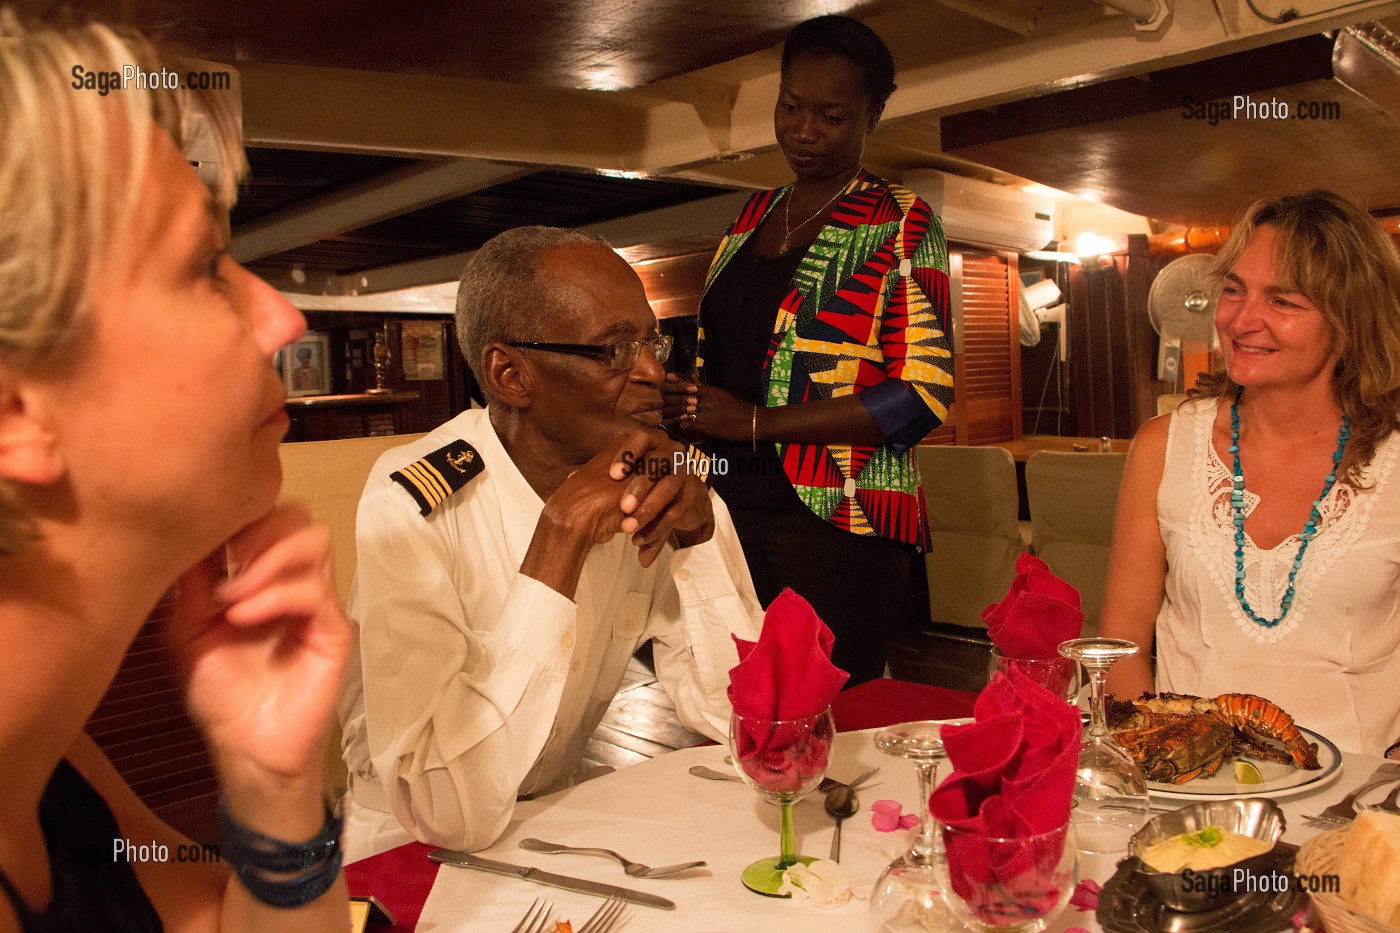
(280, 179)
(607, 44)
(1120, 142)
(1136, 144)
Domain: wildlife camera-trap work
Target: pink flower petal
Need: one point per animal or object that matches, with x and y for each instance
(1086, 896)
(909, 821)
(885, 816)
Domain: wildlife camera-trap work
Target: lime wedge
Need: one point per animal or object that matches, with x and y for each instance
(1246, 773)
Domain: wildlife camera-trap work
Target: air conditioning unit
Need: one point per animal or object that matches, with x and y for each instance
(983, 214)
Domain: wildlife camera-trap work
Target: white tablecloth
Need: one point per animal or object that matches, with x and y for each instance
(658, 813)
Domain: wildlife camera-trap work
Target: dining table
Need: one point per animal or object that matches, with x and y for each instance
(657, 812)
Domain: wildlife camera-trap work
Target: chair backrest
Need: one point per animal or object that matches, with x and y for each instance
(1073, 499)
(1168, 403)
(329, 476)
(975, 535)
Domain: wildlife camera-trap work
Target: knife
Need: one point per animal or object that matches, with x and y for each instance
(467, 860)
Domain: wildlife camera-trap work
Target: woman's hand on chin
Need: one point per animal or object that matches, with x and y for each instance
(264, 651)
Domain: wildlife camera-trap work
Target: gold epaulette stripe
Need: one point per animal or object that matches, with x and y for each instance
(429, 496)
(431, 488)
(435, 475)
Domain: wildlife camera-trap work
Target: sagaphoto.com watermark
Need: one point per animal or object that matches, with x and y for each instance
(131, 77)
(1241, 881)
(124, 850)
(1245, 107)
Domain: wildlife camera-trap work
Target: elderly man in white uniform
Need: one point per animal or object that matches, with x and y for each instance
(512, 561)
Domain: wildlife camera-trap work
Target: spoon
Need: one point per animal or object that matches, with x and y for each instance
(841, 803)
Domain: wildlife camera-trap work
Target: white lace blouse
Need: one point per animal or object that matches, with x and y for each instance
(1334, 662)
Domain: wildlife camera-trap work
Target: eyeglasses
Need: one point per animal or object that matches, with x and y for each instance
(620, 356)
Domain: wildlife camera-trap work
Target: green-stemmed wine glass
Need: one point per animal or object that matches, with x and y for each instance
(784, 760)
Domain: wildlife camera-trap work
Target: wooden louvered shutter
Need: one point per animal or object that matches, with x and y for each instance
(987, 365)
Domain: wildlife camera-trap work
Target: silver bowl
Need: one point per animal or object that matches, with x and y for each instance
(1192, 891)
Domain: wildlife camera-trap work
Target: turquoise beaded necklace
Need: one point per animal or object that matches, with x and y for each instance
(1309, 530)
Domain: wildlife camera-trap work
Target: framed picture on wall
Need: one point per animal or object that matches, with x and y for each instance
(422, 343)
(306, 366)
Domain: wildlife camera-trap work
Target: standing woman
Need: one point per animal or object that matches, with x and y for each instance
(1258, 528)
(140, 417)
(823, 355)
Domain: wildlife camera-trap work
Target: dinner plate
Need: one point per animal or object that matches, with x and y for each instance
(1280, 780)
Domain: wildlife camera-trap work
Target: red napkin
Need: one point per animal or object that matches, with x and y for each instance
(1013, 778)
(786, 677)
(787, 673)
(1039, 611)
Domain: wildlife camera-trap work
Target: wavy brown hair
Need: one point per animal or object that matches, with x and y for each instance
(1337, 255)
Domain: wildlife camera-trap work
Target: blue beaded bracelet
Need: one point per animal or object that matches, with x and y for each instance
(253, 856)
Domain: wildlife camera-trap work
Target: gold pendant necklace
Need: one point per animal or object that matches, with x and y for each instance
(788, 230)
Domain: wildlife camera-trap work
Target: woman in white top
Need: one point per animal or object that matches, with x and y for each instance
(1258, 528)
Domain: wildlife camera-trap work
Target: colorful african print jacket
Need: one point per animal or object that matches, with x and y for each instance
(866, 314)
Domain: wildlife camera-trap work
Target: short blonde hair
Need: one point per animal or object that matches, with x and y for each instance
(1339, 257)
(70, 171)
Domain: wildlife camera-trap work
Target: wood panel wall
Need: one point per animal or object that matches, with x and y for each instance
(142, 726)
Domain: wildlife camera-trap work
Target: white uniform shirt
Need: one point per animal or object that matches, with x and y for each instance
(477, 684)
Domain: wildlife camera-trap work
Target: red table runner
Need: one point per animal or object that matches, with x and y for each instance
(401, 878)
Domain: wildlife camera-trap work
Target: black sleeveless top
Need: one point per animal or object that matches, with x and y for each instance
(91, 890)
(738, 313)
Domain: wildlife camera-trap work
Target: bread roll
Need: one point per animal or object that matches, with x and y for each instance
(1369, 866)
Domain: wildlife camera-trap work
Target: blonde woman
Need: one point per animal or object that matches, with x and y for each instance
(1258, 529)
(139, 422)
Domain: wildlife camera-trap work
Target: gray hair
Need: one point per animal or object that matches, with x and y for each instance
(504, 293)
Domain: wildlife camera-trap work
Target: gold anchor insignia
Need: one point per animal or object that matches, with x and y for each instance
(456, 460)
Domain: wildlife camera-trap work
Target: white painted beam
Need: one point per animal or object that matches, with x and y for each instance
(710, 214)
(1013, 19)
(374, 199)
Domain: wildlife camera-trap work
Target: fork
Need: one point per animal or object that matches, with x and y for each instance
(1391, 803)
(1344, 811)
(863, 778)
(633, 869)
(536, 918)
(606, 917)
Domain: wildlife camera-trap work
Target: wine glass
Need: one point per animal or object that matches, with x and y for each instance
(1008, 885)
(1110, 793)
(784, 760)
(909, 893)
(1059, 675)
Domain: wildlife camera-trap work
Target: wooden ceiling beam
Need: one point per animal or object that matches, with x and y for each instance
(301, 107)
(1013, 17)
(372, 200)
(646, 227)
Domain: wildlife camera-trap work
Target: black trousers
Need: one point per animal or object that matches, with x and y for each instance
(855, 583)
